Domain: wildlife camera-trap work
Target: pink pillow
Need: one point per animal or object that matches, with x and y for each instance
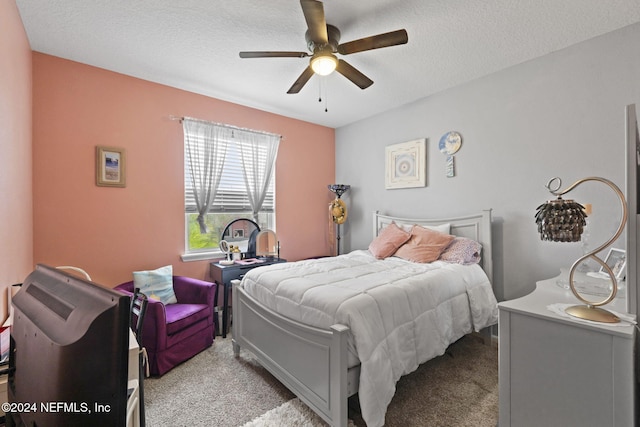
(462, 251)
(425, 245)
(388, 241)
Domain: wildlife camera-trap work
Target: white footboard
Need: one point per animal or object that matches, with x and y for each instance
(310, 362)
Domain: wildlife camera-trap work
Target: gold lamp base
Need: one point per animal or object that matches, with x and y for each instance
(594, 314)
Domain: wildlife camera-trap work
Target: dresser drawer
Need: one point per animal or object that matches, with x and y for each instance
(224, 274)
(236, 273)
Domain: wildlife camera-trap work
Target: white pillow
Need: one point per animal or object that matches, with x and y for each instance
(156, 284)
(442, 228)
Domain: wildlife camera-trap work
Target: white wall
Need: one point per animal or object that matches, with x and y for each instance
(558, 115)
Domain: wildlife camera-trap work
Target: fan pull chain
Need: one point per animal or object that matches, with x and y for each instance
(321, 86)
(326, 99)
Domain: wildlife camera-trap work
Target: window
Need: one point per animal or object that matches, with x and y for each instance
(232, 167)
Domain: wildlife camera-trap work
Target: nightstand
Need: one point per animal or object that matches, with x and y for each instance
(224, 274)
(556, 371)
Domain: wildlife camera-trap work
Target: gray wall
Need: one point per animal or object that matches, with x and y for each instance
(558, 115)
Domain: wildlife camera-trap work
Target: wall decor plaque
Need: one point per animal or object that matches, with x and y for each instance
(449, 144)
(406, 164)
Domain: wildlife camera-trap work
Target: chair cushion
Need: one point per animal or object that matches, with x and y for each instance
(181, 316)
(156, 284)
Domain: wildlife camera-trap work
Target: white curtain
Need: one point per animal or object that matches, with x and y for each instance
(205, 151)
(257, 174)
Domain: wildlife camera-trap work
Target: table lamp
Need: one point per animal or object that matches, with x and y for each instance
(563, 220)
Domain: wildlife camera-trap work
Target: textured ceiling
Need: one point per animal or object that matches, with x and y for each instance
(194, 45)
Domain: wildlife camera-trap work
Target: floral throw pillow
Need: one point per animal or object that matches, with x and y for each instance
(462, 251)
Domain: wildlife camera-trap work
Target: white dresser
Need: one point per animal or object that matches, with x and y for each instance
(555, 371)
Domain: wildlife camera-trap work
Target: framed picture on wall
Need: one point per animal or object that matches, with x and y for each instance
(406, 164)
(110, 167)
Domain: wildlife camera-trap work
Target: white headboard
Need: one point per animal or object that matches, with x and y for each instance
(476, 227)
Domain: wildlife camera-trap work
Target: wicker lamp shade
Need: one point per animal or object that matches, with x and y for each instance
(561, 220)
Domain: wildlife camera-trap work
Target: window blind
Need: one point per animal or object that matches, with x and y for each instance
(232, 193)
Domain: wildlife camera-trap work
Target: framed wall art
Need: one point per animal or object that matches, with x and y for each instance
(406, 164)
(110, 167)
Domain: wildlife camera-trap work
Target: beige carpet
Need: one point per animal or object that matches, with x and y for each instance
(293, 413)
(459, 388)
(214, 388)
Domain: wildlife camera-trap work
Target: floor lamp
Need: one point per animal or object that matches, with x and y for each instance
(338, 209)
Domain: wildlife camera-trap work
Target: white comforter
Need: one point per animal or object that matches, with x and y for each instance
(400, 313)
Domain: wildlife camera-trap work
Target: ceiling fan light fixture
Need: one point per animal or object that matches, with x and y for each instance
(324, 64)
(323, 44)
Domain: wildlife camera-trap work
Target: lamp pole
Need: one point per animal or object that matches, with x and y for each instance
(338, 209)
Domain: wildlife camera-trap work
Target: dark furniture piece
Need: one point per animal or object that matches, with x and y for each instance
(174, 333)
(139, 302)
(222, 275)
(69, 343)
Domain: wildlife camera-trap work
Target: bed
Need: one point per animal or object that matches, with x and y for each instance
(326, 349)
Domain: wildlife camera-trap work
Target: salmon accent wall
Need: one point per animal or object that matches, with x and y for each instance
(111, 232)
(16, 237)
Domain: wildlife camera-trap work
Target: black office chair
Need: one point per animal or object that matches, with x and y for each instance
(138, 308)
(139, 303)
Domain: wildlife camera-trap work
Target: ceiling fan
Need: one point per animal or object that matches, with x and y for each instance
(323, 41)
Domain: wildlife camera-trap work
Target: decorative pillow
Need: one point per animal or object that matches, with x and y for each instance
(425, 245)
(388, 241)
(156, 284)
(462, 251)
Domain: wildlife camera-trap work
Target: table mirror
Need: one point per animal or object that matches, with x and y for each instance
(242, 232)
(267, 244)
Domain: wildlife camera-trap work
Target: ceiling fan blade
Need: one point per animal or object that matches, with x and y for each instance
(392, 38)
(354, 75)
(273, 54)
(302, 80)
(314, 15)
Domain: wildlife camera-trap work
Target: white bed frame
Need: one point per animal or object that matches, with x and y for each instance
(312, 362)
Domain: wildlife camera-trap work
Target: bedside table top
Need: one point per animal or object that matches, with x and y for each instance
(244, 264)
(547, 292)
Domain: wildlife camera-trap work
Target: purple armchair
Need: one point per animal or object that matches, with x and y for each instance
(176, 332)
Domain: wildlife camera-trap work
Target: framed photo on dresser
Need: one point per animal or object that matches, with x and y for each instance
(616, 260)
